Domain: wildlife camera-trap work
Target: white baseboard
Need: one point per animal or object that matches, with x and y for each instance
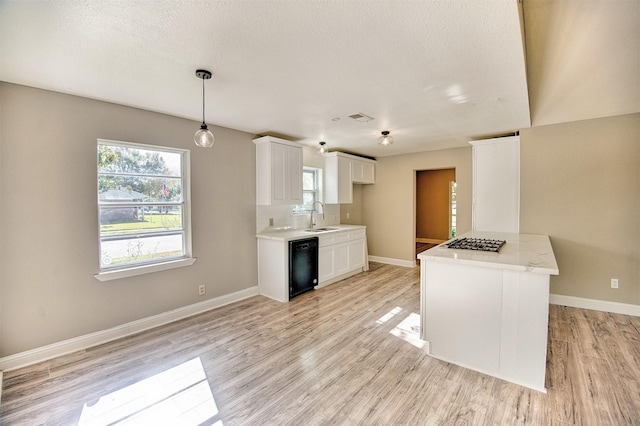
(339, 278)
(596, 305)
(391, 261)
(64, 347)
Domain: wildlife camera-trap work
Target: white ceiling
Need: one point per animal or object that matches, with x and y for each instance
(435, 73)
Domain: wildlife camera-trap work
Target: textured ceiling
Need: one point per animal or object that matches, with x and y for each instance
(435, 73)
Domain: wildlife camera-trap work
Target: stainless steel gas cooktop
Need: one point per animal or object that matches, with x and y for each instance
(478, 244)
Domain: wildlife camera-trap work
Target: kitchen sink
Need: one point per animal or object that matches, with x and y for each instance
(321, 230)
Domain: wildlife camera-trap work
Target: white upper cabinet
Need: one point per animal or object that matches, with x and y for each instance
(496, 184)
(278, 171)
(363, 171)
(341, 171)
(338, 187)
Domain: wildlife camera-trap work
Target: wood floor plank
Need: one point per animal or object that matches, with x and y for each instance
(345, 354)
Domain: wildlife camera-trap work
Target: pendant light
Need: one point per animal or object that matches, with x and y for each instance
(203, 137)
(322, 149)
(385, 139)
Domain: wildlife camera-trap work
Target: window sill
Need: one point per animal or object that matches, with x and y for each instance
(146, 269)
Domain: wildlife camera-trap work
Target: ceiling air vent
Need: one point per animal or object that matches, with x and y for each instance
(361, 117)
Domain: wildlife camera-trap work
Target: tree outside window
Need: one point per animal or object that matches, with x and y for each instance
(142, 208)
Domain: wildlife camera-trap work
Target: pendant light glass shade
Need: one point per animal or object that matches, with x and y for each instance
(322, 149)
(203, 136)
(386, 139)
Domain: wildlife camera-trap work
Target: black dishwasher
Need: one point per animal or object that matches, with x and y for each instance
(303, 266)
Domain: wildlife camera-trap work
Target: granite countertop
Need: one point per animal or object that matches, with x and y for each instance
(521, 252)
(296, 234)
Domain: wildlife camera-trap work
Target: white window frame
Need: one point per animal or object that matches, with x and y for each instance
(453, 209)
(117, 272)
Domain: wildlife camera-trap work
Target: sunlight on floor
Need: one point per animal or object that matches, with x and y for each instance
(409, 330)
(392, 313)
(177, 396)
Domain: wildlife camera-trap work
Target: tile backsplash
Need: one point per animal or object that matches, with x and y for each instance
(283, 217)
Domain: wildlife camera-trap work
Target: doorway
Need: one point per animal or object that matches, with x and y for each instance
(435, 207)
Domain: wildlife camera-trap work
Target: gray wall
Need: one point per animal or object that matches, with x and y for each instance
(580, 184)
(49, 220)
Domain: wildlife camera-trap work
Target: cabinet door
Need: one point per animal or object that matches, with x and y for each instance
(326, 263)
(286, 174)
(357, 171)
(368, 173)
(356, 254)
(279, 173)
(362, 171)
(341, 258)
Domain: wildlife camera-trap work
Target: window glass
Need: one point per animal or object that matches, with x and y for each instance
(310, 189)
(141, 204)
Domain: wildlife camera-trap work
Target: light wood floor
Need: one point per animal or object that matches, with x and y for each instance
(345, 354)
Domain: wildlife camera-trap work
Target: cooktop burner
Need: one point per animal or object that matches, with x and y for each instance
(479, 244)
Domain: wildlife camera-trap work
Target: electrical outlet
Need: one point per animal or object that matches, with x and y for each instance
(202, 290)
(614, 283)
(347, 215)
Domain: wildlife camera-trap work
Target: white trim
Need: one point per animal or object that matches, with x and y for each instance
(596, 305)
(154, 265)
(391, 261)
(144, 269)
(64, 347)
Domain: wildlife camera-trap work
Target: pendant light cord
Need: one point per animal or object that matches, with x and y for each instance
(203, 100)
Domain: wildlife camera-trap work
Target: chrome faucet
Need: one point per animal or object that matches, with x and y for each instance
(311, 211)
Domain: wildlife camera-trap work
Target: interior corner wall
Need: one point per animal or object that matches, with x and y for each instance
(580, 184)
(49, 226)
(388, 206)
(351, 214)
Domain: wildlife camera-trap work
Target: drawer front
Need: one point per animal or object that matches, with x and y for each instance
(326, 240)
(341, 237)
(331, 238)
(356, 235)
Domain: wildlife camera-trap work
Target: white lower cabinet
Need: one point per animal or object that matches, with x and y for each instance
(356, 254)
(341, 258)
(341, 254)
(326, 263)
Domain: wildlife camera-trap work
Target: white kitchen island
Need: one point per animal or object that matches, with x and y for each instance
(489, 311)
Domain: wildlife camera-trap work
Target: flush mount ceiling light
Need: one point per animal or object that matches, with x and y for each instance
(322, 149)
(203, 136)
(385, 139)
